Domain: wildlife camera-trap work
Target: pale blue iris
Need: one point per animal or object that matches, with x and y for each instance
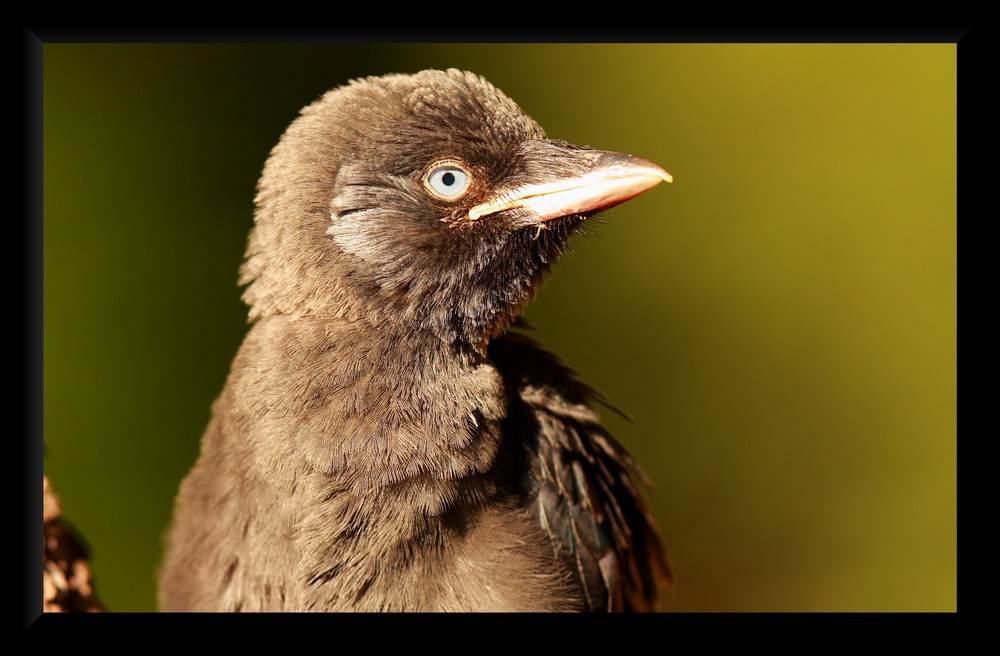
(448, 181)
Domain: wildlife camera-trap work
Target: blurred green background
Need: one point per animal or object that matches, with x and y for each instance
(780, 322)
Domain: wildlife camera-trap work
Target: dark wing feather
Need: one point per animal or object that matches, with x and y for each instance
(580, 482)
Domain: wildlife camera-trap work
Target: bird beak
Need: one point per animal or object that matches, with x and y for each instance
(601, 180)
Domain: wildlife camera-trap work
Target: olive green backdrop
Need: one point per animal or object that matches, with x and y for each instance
(780, 323)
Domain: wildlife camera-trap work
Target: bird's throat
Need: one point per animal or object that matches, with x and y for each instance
(439, 409)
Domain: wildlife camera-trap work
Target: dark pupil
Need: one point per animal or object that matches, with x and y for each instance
(448, 179)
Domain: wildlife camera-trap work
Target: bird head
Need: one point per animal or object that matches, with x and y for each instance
(428, 203)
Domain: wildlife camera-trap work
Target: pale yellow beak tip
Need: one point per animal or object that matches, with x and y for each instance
(655, 169)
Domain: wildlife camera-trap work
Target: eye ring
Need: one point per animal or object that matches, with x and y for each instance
(448, 180)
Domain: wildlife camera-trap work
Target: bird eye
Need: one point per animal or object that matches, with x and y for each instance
(447, 181)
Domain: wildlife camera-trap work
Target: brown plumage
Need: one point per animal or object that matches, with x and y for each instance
(382, 441)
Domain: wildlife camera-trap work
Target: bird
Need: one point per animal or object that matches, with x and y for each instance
(389, 438)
